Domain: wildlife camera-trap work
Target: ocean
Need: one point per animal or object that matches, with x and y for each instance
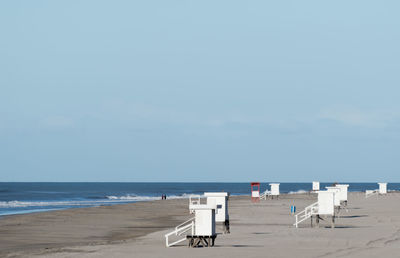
(18, 198)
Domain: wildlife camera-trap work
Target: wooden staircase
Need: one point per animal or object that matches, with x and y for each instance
(306, 213)
(183, 228)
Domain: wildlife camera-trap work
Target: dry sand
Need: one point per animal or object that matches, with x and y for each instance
(370, 228)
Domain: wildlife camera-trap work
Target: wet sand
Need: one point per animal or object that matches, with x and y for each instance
(369, 228)
(49, 231)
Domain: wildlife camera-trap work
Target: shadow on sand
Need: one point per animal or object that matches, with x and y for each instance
(352, 216)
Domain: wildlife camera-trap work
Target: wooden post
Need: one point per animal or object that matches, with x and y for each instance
(226, 227)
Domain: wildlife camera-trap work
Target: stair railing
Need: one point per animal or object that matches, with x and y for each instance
(264, 195)
(180, 230)
(306, 213)
(370, 193)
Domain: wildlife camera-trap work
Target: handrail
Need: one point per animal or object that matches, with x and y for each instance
(179, 231)
(306, 213)
(370, 193)
(308, 208)
(312, 205)
(264, 194)
(189, 220)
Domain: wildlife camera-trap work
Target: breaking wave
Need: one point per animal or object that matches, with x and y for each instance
(106, 201)
(131, 197)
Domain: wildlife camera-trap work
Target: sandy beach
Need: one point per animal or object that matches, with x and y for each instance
(369, 228)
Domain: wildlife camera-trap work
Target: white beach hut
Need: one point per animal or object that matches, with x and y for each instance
(273, 192)
(274, 189)
(325, 206)
(204, 221)
(336, 190)
(382, 188)
(343, 193)
(204, 225)
(315, 186)
(220, 200)
(326, 203)
(199, 230)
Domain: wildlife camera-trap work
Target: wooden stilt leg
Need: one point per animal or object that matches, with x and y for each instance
(203, 241)
(197, 242)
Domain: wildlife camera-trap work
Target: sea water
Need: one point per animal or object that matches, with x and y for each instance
(17, 198)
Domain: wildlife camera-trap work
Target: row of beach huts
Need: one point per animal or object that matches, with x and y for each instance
(212, 211)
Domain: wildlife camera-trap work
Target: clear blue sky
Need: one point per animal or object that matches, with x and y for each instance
(199, 90)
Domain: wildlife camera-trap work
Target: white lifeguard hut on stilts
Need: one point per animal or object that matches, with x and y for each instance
(343, 194)
(204, 226)
(315, 186)
(273, 192)
(382, 190)
(336, 191)
(198, 230)
(220, 200)
(324, 207)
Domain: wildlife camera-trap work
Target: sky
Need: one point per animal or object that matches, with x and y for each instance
(177, 91)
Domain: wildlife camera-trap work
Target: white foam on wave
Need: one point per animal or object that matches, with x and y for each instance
(18, 204)
(131, 197)
(109, 200)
